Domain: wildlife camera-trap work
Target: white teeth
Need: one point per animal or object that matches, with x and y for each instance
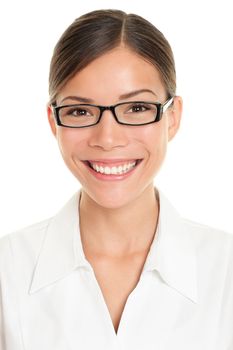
(115, 170)
(107, 170)
(101, 169)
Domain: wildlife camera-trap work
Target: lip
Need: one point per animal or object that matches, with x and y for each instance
(111, 163)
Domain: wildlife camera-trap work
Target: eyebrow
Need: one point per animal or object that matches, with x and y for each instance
(121, 97)
(136, 92)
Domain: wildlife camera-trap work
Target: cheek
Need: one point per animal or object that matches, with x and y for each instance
(156, 147)
(155, 138)
(69, 141)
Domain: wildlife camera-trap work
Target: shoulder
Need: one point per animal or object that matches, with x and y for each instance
(213, 246)
(23, 247)
(26, 241)
(198, 234)
(202, 238)
(203, 234)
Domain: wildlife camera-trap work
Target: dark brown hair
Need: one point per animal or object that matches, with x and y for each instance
(98, 32)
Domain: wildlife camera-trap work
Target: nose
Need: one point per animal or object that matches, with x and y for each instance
(108, 134)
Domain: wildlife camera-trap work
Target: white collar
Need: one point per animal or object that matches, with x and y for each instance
(172, 254)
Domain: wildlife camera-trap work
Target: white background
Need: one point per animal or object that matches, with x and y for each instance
(198, 172)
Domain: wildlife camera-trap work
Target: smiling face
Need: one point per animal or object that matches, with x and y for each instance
(114, 163)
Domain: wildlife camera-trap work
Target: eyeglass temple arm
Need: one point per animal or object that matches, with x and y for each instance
(168, 103)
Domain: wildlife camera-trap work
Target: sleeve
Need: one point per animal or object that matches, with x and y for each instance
(2, 338)
(10, 332)
(225, 325)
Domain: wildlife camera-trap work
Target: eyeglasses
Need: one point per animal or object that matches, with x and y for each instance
(133, 113)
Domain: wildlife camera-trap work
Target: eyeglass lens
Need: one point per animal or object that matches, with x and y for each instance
(127, 113)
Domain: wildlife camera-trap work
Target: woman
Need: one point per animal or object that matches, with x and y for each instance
(116, 268)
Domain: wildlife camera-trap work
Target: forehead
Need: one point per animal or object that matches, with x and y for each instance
(114, 74)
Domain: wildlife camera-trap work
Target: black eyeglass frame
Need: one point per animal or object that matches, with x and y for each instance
(161, 108)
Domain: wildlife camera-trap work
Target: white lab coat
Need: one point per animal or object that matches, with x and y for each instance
(50, 298)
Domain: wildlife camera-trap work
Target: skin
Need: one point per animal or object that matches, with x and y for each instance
(123, 212)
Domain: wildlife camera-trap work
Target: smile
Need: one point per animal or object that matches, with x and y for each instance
(119, 168)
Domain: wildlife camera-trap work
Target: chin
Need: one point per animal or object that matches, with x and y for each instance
(108, 199)
(116, 197)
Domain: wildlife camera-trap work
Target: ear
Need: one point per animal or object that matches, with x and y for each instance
(174, 117)
(51, 120)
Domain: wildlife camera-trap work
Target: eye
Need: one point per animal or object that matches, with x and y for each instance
(138, 107)
(78, 112)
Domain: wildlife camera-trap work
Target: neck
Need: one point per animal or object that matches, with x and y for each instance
(119, 231)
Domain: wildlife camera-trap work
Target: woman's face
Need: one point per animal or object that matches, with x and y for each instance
(133, 154)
